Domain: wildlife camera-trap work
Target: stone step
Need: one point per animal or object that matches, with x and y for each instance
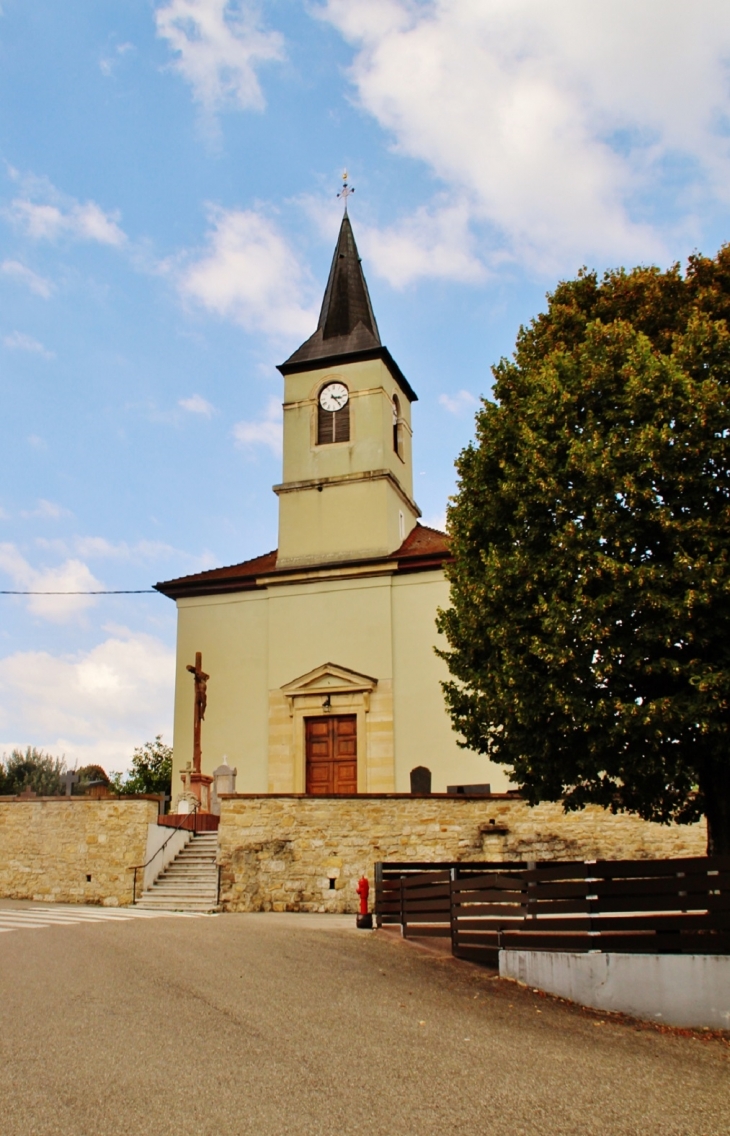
(191, 870)
(203, 861)
(187, 881)
(207, 895)
(184, 882)
(194, 865)
(179, 905)
(178, 880)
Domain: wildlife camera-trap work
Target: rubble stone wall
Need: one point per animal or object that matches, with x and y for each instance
(74, 850)
(279, 853)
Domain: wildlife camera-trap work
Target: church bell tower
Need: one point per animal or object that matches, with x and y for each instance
(347, 488)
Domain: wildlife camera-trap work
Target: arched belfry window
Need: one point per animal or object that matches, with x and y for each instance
(397, 428)
(333, 414)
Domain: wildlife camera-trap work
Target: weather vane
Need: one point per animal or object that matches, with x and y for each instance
(346, 189)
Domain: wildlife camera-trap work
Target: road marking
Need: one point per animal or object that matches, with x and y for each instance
(35, 918)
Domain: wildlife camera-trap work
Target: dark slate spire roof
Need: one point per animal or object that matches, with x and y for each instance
(346, 321)
(346, 330)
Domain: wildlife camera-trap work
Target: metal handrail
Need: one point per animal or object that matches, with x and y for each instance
(177, 828)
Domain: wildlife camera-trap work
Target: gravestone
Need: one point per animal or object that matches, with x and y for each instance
(71, 779)
(224, 781)
(421, 779)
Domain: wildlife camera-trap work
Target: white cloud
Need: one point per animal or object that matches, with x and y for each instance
(48, 510)
(17, 271)
(218, 44)
(107, 63)
(459, 403)
(249, 273)
(434, 242)
(196, 404)
(94, 706)
(71, 576)
(42, 212)
(266, 431)
(552, 120)
(19, 341)
(142, 552)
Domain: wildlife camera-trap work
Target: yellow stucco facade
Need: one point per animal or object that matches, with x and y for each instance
(255, 644)
(341, 619)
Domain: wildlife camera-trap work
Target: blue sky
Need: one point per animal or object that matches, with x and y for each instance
(168, 209)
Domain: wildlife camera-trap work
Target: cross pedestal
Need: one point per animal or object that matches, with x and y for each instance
(200, 784)
(196, 785)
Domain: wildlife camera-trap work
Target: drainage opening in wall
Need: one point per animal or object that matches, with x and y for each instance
(332, 884)
(88, 879)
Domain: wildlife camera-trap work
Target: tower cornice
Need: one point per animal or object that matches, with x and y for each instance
(329, 361)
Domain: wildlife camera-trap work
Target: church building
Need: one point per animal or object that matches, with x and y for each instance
(323, 675)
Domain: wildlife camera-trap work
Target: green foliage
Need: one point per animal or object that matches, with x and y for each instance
(87, 774)
(590, 619)
(151, 770)
(32, 769)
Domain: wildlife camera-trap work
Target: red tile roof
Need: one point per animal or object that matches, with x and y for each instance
(424, 548)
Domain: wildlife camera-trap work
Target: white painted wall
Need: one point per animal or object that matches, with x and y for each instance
(678, 990)
(157, 834)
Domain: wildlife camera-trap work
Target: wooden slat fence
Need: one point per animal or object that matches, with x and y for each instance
(644, 906)
(418, 895)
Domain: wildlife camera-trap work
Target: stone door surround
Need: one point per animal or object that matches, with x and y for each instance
(327, 689)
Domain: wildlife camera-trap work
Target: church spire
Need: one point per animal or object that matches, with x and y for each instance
(346, 322)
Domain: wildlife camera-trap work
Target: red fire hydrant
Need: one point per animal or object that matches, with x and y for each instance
(364, 919)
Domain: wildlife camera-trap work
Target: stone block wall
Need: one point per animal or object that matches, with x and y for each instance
(279, 853)
(72, 850)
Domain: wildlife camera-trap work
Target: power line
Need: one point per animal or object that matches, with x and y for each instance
(119, 592)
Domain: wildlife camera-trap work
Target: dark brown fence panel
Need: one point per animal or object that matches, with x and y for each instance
(644, 906)
(418, 895)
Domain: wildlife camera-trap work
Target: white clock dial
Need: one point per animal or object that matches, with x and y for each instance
(334, 397)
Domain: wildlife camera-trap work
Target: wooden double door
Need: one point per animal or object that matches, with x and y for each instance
(332, 754)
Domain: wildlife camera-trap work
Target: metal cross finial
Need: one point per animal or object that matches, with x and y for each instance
(346, 189)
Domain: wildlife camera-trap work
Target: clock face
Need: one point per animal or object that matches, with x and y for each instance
(334, 397)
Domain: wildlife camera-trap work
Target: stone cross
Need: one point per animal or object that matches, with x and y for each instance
(201, 701)
(71, 779)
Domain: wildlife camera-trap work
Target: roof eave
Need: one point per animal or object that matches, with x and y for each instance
(188, 589)
(383, 353)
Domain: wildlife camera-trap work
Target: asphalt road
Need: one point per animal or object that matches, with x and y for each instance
(286, 1025)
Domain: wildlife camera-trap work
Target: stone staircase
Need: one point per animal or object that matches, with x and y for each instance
(189, 882)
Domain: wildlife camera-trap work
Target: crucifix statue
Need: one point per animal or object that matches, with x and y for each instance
(201, 701)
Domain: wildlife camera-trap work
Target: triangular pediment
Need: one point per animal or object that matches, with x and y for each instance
(330, 678)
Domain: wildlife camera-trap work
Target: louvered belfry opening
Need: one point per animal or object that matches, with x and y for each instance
(333, 426)
(397, 428)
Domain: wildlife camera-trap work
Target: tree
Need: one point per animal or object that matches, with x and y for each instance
(31, 769)
(589, 630)
(88, 773)
(151, 769)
